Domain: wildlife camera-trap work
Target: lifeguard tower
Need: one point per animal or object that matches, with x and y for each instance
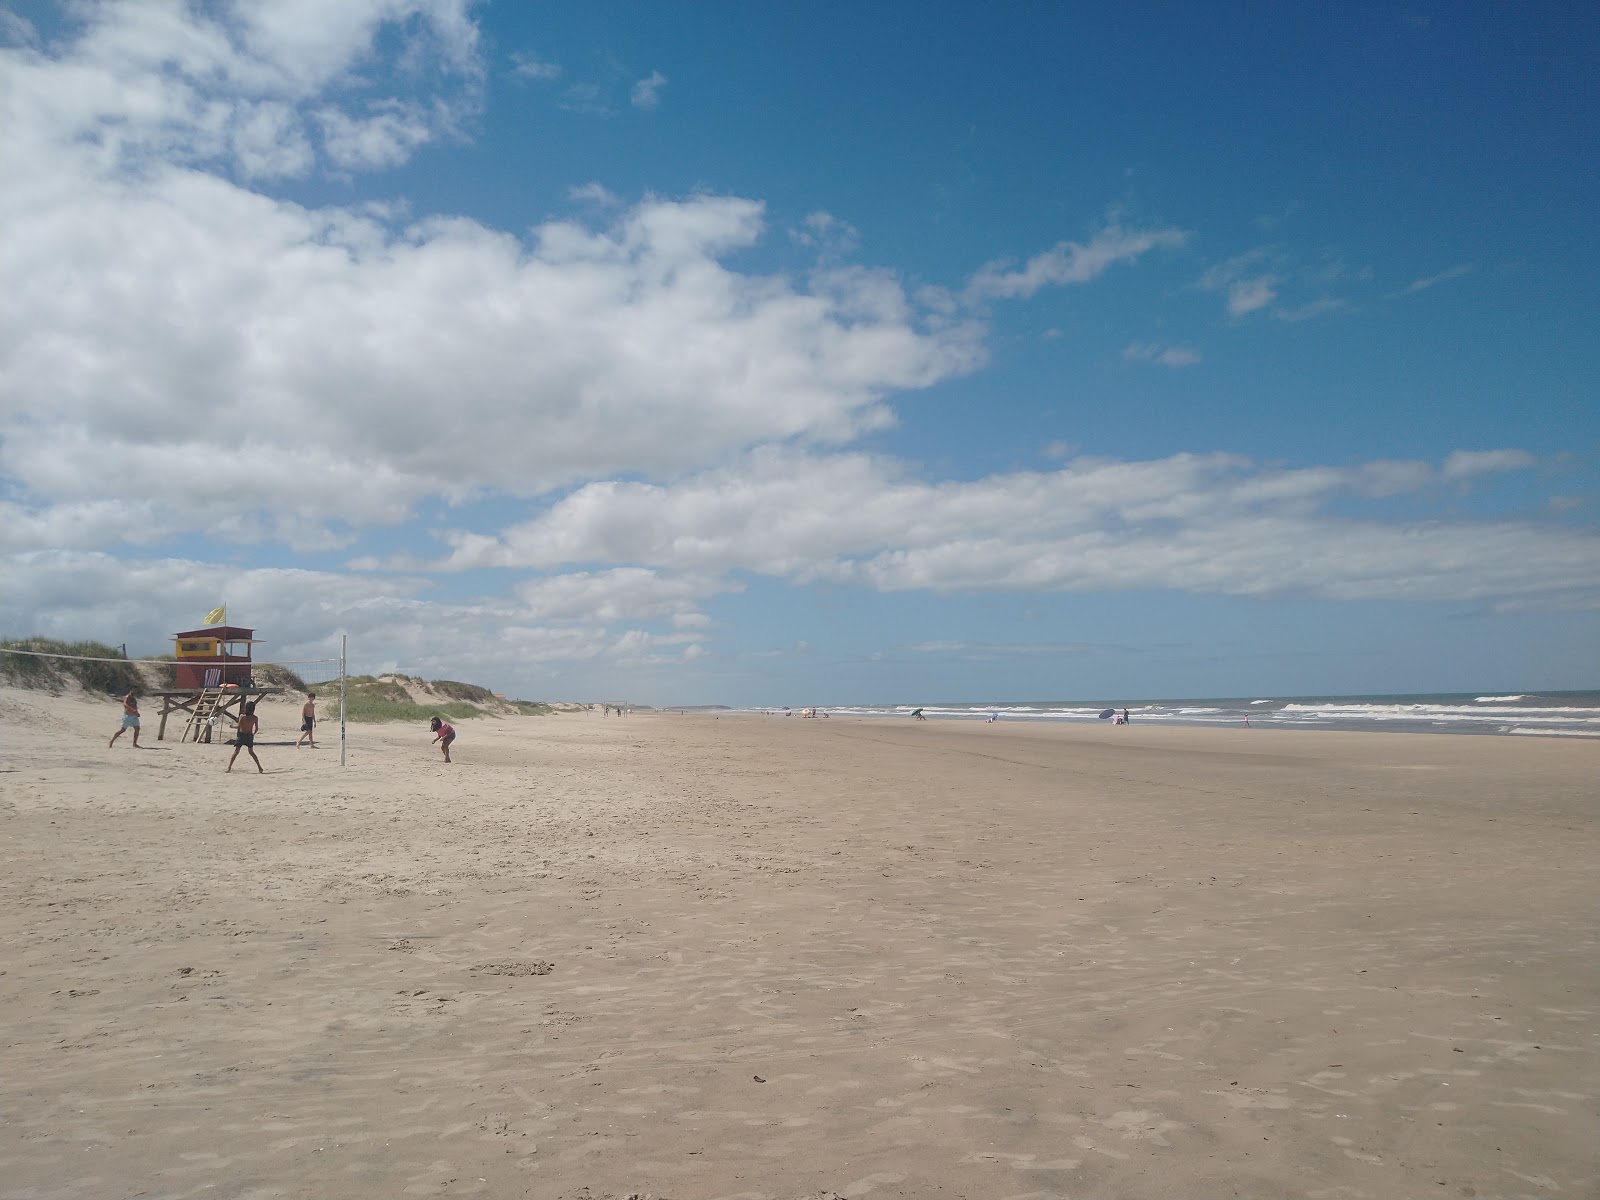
(212, 679)
(214, 657)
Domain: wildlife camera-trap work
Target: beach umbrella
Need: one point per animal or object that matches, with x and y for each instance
(1108, 714)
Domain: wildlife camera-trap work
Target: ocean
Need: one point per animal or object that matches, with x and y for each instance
(1542, 714)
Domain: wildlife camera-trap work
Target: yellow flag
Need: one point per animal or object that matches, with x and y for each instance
(218, 615)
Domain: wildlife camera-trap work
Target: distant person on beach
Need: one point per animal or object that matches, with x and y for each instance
(245, 737)
(1124, 716)
(308, 721)
(917, 713)
(130, 719)
(444, 734)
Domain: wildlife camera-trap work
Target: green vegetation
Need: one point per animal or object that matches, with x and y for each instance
(450, 689)
(272, 675)
(28, 670)
(532, 708)
(369, 708)
(370, 699)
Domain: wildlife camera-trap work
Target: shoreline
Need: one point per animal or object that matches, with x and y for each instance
(706, 957)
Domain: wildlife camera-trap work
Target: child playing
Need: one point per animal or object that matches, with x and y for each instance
(245, 739)
(444, 734)
(308, 722)
(130, 718)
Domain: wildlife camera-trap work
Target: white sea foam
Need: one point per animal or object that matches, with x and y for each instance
(1499, 699)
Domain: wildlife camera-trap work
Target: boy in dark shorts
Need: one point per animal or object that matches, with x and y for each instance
(245, 739)
(308, 722)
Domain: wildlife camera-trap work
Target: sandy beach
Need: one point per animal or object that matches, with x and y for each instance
(696, 957)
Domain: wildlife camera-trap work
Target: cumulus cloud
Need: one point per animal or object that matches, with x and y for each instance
(173, 322)
(243, 88)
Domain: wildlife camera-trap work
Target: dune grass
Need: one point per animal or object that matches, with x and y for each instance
(369, 699)
(372, 709)
(30, 670)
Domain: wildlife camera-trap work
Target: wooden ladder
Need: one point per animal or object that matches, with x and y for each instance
(205, 707)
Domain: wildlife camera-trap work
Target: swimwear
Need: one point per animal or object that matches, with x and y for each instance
(130, 720)
(306, 725)
(245, 739)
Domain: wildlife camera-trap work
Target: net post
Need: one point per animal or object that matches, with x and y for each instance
(342, 639)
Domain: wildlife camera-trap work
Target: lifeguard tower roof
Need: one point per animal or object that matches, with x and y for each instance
(223, 633)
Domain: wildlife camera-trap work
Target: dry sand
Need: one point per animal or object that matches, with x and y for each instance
(696, 956)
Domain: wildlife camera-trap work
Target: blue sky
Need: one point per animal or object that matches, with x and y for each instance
(810, 354)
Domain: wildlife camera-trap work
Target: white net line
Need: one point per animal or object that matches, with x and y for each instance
(310, 671)
(164, 662)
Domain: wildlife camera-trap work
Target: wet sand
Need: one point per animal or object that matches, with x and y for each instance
(694, 956)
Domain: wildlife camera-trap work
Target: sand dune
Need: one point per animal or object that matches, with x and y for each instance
(697, 956)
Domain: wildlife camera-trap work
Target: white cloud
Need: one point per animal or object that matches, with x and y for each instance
(1071, 262)
(1167, 356)
(242, 87)
(1465, 464)
(647, 91)
(1248, 295)
(172, 323)
(622, 594)
(385, 137)
(825, 232)
(1422, 285)
(528, 66)
(1256, 280)
(1241, 279)
(594, 193)
(1215, 524)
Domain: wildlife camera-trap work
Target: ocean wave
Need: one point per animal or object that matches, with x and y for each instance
(1499, 699)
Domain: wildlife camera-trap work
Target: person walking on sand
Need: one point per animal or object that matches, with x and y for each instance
(308, 721)
(245, 738)
(130, 719)
(444, 734)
